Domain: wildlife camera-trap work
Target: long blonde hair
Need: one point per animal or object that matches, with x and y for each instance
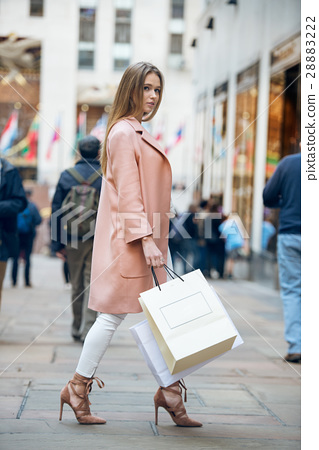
(128, 99)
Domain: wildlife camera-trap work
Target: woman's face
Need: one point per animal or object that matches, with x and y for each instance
(151, 93)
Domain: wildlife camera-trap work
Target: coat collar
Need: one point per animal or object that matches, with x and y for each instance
(145, 134)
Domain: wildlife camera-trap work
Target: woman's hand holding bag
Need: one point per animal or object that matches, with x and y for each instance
(153, 255)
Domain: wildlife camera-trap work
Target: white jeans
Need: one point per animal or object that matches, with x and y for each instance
(97, 342)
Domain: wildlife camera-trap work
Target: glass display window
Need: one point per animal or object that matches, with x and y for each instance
(244, 145)
(219, 144)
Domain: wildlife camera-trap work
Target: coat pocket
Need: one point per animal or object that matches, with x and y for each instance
(132, 261)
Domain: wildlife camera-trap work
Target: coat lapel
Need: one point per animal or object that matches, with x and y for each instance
(145, 135)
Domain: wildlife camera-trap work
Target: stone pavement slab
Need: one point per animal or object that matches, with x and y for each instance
(248, 398)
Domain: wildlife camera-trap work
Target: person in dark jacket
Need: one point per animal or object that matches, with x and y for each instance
(12, 201)
(215, 243)
(78, 256)
(283, 191)
(28, 220)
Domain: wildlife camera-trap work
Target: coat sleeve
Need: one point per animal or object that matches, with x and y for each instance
(15, 200)
(124, 167)
(272, 190)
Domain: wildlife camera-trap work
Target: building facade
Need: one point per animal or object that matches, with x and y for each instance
(247, 103)
(83, 48)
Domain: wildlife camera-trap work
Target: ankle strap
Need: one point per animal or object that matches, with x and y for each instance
(99, 382)
(181, 385)
(87, 383)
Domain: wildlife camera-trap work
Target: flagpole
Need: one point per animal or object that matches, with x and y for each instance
(60, 150)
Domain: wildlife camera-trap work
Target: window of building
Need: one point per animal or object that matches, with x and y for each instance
(36, 8)
(176, 46)
(177, 9)
(121, 64)
(86, 38)
(86, 59)
(87, 25)
(123, 26)
(122, 37)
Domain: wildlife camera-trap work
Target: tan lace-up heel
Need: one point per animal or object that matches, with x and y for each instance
(76, 395)
(174, 404)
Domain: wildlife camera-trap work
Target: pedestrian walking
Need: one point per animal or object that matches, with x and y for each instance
(182, 239)
(131, 234)
(78, 189)
(12, 201)
(188, 245)
(28, 220)
(234, 241)
(202, 261)
(268, 231)
(215, 244)
(283, 190)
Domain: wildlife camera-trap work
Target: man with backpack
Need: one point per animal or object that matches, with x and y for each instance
(27, 222)
(74, 208)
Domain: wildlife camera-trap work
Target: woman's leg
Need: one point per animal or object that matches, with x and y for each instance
(76, 392)
(97, 342)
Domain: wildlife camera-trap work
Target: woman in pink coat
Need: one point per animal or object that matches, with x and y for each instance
(131, 234)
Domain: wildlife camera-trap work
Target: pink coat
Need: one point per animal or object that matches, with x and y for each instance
(134, 202)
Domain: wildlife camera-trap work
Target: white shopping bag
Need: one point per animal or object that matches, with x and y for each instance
(148, 346)
(188, 321)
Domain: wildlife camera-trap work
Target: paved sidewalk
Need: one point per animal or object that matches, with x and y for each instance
(249, 398)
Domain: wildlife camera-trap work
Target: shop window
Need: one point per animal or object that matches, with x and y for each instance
(283, 132)
(36, 8)
(284, 117)
(177, 9)
(219, 120)
(244, 156)
(275, 123)
(176, 46)
(123, 26)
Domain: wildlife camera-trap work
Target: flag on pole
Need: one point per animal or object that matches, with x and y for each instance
(30, 150)
(55, 138)
(99, 130)
(9, 133)
(159, 133)
(81, 126)
(176, 139)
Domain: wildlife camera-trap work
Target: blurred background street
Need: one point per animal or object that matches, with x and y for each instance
(249, 398)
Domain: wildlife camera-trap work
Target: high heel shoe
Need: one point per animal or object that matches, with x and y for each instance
(174, 404)
(76, 395)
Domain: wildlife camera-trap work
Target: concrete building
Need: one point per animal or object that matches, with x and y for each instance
(85, 45)
(247, 101)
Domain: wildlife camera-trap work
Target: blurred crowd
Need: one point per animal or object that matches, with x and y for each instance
(205, 238)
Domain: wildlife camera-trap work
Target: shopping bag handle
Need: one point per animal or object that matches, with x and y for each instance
(169, 272)
(155, 278)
